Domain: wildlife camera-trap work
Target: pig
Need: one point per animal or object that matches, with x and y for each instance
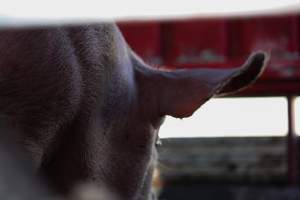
(17, 178)
(87, 109)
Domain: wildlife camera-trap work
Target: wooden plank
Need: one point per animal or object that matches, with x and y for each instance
(257, 159)
(229, 192)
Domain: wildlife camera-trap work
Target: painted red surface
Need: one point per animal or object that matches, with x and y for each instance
(276, 34)
(196, 41)
(145, 39)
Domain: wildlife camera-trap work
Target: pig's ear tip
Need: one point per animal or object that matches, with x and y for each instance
(245, 75)
(260, 58)
(257, 62)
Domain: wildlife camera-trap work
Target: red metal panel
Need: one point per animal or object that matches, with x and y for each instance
(223, 43)
(279, 35)
(196, 41)
(144, 38)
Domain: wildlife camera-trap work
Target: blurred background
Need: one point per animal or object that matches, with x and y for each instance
(240, 147)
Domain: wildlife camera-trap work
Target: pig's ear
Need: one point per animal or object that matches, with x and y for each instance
(181, 92)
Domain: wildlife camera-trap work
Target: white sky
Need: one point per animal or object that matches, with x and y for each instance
(232, 117)
(17, 11)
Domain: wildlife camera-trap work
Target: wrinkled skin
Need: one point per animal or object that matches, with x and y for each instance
(87, 109)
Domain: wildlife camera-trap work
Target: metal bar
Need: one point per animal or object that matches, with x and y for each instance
(292, 147)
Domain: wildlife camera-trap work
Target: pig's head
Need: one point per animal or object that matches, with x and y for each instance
(88, 109)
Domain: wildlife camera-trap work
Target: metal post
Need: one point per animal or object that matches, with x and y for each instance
(293, 171)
